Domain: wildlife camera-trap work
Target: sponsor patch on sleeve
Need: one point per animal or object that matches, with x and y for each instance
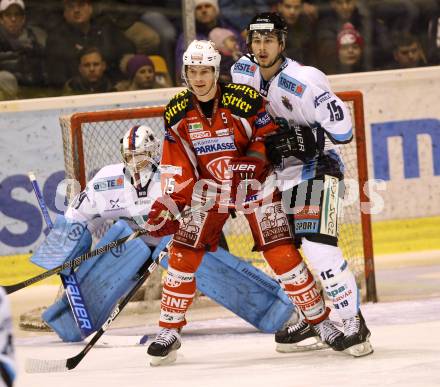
(291, 85)
(246, 68)
(262, 120)
(168, 136)
(170, 169)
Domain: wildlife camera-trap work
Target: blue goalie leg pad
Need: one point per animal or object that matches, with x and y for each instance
(65, 241)
(103, 281)
(242, 288)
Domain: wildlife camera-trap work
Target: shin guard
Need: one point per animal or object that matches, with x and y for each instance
(180, 286)
(298, 282)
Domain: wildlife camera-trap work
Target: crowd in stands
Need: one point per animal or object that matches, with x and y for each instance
(64, 47)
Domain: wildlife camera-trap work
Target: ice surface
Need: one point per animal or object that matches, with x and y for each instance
(229, 352)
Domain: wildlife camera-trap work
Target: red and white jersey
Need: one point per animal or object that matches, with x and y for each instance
(110, 194)
(301, 95)
(197, 150)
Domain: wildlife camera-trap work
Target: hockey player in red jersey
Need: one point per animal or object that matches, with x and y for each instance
(214, 134)
(314, 122)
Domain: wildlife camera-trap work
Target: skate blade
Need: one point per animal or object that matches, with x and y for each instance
(303, 346)
(156, 361)
(359, 350)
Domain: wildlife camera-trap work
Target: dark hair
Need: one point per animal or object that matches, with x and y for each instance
(404, 39)
(89, 50)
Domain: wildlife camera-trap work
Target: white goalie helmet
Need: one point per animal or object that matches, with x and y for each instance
(201, 53)
(141, 151)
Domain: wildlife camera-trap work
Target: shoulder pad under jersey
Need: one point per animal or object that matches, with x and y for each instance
(177, 107)
(241, 100)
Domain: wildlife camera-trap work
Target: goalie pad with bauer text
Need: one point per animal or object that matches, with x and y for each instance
(103, 279)
(241, 288)
(65, 241)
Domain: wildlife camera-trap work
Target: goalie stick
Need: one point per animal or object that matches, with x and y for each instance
(62, 365)
(78, 260)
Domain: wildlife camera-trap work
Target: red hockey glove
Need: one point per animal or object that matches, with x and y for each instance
(161, 220)
(246, 168)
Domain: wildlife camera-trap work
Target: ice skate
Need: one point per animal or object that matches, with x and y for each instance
(356, 339)
(298, 337)
(163, 350)
(330, 334)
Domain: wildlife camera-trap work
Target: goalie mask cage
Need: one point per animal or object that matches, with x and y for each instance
(91, 141)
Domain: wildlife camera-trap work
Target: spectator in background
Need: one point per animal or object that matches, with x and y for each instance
(376, 43)
(407, 52)
(239, 13)
(227, 44)
(127, 17)
(300, 44)
(207, 14)
(21, 47)
(350, 50)
(79, 30)
(91, 76)
(8, 86)
(141, 75)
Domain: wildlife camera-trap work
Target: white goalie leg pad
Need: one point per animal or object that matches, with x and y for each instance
(337, 279)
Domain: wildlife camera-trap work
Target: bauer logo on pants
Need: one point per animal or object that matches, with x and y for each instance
(330, 202)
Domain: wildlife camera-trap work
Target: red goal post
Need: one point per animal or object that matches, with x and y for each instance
(91, 140)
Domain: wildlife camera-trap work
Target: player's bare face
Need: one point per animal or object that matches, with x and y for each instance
(201, 79)
(266, 48)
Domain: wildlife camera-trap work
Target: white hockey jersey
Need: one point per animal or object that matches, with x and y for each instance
(111, 195)
(301, 95)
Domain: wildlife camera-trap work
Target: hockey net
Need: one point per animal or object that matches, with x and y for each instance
(91, 141)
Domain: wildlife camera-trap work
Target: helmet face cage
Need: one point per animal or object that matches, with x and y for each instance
(201, 53)
(140, 150)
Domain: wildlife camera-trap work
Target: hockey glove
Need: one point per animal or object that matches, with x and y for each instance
(244, 169)
(298, 141)
(161, 220)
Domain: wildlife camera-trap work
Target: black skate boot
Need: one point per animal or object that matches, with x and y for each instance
(356, 338)
(330, 334)
(163, 350)
(298, 337)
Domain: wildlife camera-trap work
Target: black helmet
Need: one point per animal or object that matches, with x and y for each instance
(267, 22)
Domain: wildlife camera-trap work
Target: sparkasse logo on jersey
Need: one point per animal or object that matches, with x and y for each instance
(214, 145)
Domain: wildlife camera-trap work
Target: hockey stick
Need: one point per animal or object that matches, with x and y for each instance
(66, 279)
(62, 365)
(40, 199)
(78, 260)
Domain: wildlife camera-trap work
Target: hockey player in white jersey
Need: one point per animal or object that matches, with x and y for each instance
(124, 191)
(313, 123)
(7, 361)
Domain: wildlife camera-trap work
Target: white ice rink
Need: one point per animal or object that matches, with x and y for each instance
(229, 352)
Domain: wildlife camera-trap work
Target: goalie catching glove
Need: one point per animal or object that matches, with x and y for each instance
(294, 140)
(162, 219)
(244, 169)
